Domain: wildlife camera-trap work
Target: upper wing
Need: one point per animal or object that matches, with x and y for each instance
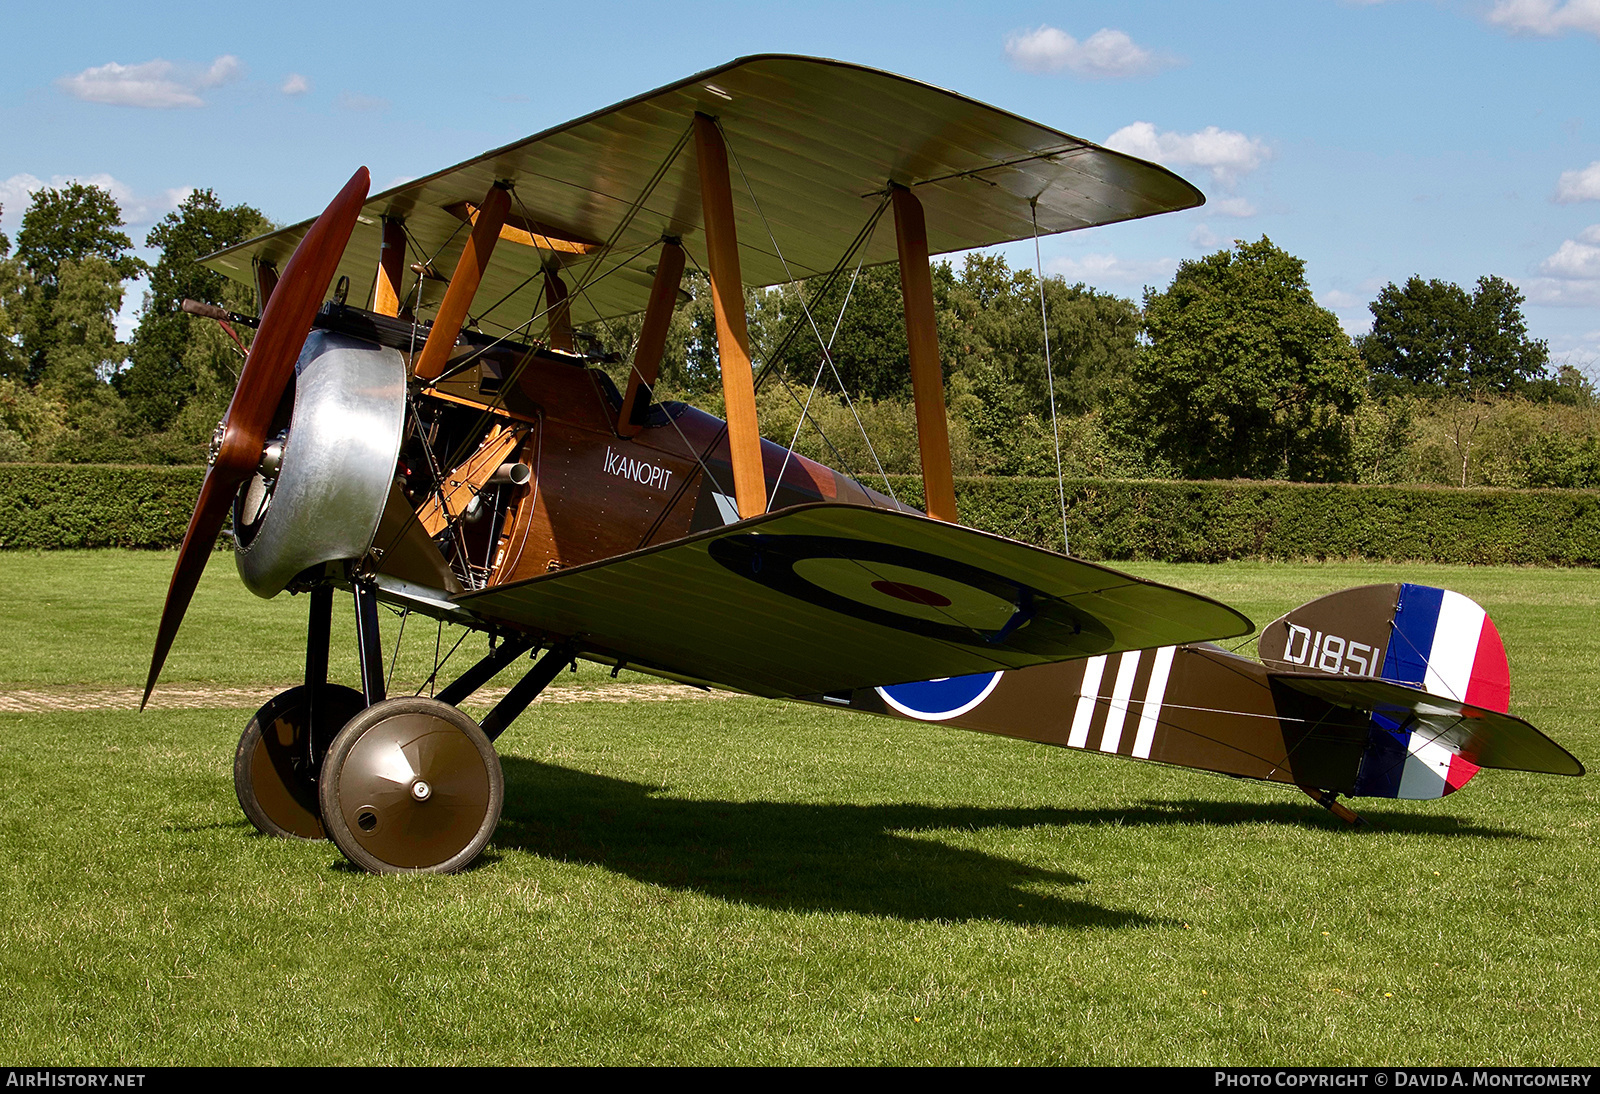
(825, 597)
(817, 142)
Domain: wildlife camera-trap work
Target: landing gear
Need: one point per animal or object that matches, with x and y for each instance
(400, 785)
(411, 785)
(274, 767)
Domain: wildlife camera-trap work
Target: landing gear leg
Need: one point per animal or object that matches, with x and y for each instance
(371, 649)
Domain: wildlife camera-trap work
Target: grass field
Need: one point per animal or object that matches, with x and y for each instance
(739, 881)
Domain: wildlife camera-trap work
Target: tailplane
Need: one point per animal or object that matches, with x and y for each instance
(1434, 640)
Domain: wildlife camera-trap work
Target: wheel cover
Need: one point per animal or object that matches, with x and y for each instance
(411, 785)
(273, 774)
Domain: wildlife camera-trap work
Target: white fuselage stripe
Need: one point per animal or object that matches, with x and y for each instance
(1154, 694)
(1093, 671)
(1121, 691)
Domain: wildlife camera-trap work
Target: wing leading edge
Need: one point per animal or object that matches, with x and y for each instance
(816, 142)
(829, 597)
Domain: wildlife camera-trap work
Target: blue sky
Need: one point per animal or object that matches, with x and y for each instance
(1375, 140)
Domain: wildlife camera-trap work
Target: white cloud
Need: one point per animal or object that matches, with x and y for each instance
(16, 193)
(1338, 298)
(1576, 259)
(1547, 18)
(296, 84)
(1097, 269)
(1205, 239)
(1571, 276)
(156, 85)
(1104, 54)
(1231, 207)
(1580, 185)
(1555, 292)
(1227, 153)
(224, 70)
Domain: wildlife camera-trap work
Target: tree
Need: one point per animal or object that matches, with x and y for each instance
(13, 276)
(60, 231)
(1433, 338)
(176, 356)
(1244, 375)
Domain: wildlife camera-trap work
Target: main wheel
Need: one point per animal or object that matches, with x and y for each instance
(274, 768)
(411, 784)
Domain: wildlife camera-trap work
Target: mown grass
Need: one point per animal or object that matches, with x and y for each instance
(748, 882)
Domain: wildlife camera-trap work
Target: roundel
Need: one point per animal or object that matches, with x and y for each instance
(938, 700)
(911, 591)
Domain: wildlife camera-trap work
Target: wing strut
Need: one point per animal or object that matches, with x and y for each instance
(652, 336)
(922, 339)
(559, 325)
(464, 284)
(733, 336)
(391, 267)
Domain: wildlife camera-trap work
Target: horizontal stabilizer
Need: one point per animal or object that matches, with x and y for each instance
(1483, 737)
(824, 597)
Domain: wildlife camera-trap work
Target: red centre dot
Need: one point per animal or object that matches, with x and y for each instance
(916, 594)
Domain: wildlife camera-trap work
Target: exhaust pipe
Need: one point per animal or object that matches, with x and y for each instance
(511, 474)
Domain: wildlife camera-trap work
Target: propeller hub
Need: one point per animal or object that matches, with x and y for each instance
(421, 791)
(272, 458)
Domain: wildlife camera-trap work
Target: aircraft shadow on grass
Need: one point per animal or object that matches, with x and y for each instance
(842, 858)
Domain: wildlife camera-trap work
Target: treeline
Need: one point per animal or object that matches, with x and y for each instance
(70, 390)
(1230, 371)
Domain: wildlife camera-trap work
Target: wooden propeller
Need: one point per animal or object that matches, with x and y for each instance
(285, 322)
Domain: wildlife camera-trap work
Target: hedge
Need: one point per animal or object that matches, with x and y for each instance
(53, 506)
(59, 506)
(1216, 521)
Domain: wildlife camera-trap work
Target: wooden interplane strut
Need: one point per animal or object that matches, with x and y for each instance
(733, 336)
(386, 293)
(464, 284)
(922, 340)
(652, 334)
(558, 334)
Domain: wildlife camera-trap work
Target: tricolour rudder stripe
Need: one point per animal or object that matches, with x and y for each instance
(1446, 644)
(1490, 686)
(1455, 646)
(1416, 617)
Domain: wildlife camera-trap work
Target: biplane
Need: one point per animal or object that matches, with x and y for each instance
(452, 448)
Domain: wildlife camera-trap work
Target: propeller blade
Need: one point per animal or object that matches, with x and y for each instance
(285, 322)
(210, 511)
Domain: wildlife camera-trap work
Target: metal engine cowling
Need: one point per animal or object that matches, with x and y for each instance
(319, 497)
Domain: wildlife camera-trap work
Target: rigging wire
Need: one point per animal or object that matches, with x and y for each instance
(1049, 375)
(815, 381)
(844, 461)
(783, 344)
(805, 308)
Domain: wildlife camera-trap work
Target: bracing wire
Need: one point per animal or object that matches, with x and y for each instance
(815, 381)
(806, 309)
(1049, 376)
